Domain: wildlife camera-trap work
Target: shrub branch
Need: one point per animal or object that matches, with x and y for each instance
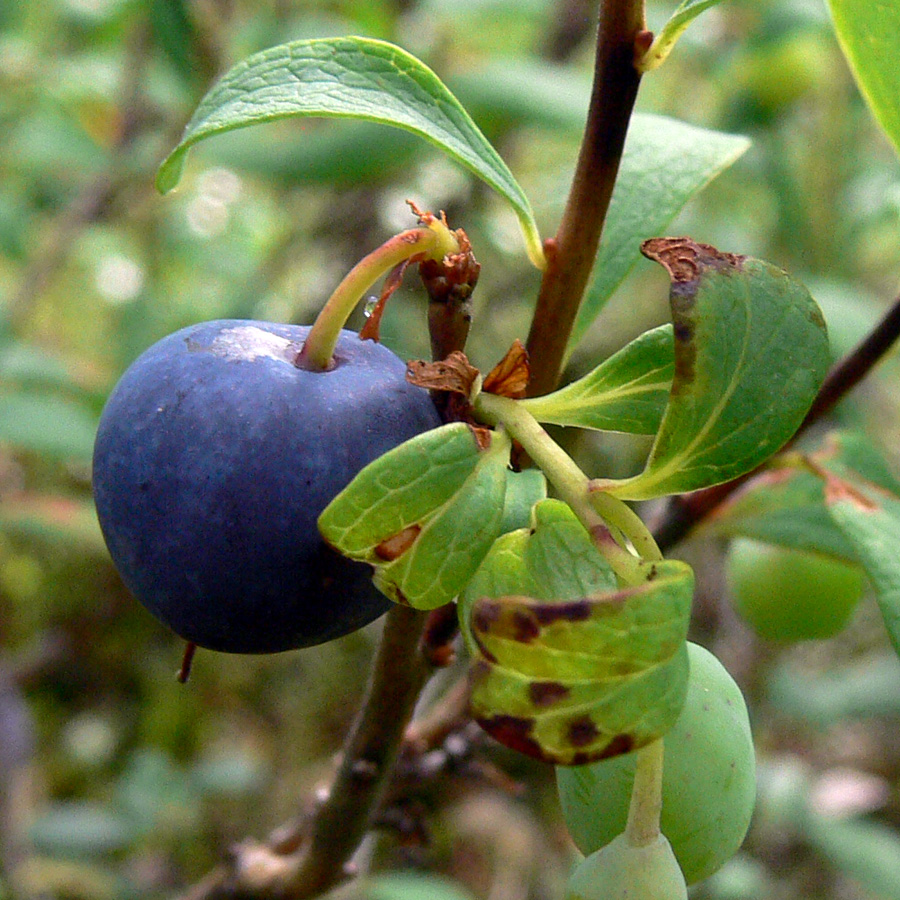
(571, 254)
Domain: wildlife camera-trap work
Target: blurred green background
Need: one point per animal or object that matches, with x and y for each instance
(116, 781)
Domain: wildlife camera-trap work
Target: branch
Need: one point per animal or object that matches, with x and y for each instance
(571, 254)
(371, 750)
(310, 857)
(684, 512)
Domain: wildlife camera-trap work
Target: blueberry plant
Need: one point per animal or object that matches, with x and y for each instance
(264, 487)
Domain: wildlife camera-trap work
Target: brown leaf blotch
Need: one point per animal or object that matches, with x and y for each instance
(685, 259)
(485, 613)
(582, 731)
(513, 732)
(479, 671)
(524, 627)
(838, 490)
(397, 544)
(546, 693)
(581, 758)
(682, 302)
(482, 436)
(619, 745)
(571, 611)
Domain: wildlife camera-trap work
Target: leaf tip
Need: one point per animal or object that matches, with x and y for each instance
(169, 173)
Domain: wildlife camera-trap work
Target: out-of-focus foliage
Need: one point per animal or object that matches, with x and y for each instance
(116, 781)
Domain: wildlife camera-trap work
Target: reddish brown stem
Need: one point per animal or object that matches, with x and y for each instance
(571, 254)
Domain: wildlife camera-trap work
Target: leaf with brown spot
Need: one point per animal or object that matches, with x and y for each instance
(785, 503)
(424, 514)
(869, 518)
(397, 544)
(593, 668)
(751, 351)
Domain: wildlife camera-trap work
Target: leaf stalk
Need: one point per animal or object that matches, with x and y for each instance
(605, 517)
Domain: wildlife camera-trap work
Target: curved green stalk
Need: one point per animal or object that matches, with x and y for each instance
(619, 514)
(601, 514)
(433, 240)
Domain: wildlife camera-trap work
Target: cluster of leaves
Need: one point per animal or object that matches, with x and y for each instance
(841, 500)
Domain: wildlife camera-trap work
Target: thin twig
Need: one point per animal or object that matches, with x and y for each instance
(343, 819)
(328, 838)
(684, 512)
(570, 256)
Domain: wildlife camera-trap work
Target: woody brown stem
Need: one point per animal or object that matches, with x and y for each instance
(571, 254)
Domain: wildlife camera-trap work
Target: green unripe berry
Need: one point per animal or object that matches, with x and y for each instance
(709, 778)
(623, 871)
(791, 595)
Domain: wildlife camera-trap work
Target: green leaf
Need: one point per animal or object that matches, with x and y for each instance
(53, 518)
(867, 688)
(870, 519)
(665, 41)
(357, 78)
(750, 353)
(424, 514)
(529, 92)
(568, 667)
(627, 392)
(47, 424)
(869, 34)
(785, 505)
(80, 830)
(644, 203)
(523, 490)
(30, 365)
(346, 154)
(176, 33)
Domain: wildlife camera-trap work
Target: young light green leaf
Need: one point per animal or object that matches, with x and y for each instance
(358, 78)
(643, 204)
(750, 353)
(424, 514)
(869, 34)
(627, 392)
(870, 519)
(568, 667)
(662, 45)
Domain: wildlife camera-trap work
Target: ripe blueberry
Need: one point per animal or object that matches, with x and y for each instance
(215, 455)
